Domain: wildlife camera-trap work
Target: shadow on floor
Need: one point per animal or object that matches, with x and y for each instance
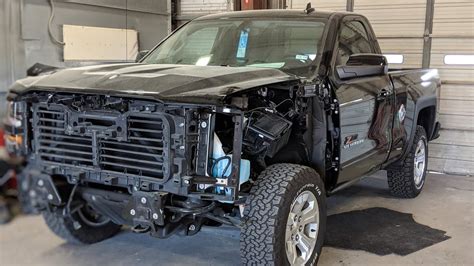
(380, 231)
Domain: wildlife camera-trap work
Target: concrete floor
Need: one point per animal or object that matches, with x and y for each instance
(447, 204)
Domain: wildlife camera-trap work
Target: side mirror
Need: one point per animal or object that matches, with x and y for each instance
(140, 55)
(363, 65)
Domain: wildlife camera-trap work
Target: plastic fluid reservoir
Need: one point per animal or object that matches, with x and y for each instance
(222, 164)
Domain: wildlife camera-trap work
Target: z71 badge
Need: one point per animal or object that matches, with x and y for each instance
(352, 140)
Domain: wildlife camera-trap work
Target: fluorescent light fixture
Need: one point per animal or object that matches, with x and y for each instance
(457, 59)
(394, 58)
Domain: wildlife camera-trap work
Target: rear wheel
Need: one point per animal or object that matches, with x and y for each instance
(284, 218)
(407, 177)
(83, 227)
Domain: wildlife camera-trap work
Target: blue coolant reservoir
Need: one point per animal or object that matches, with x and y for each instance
(223, 163)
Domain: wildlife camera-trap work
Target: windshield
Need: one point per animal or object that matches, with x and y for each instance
(291, 46)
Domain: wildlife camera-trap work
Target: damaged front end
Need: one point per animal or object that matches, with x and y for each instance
(158, 167)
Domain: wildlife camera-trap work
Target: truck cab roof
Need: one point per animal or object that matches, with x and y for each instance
(273, 13)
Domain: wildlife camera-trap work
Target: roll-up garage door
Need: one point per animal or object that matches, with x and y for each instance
(452, 52)
(399, 26)
(332, 5)
(190, 9)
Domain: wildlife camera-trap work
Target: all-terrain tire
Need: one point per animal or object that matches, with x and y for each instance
(85, 234)
(401, 175)
(262, 240)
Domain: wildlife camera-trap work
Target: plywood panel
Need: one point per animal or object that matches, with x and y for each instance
(99, 44)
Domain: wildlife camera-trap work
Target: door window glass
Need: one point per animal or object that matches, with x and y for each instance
(353, 39)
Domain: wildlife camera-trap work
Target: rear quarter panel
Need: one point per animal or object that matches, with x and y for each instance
(414, 90)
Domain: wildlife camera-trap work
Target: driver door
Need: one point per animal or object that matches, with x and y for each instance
(365, 107)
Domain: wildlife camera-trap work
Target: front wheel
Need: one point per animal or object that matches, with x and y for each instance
(85, 226)
(285, 217)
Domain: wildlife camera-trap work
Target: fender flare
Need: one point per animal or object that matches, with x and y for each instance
(420, 104)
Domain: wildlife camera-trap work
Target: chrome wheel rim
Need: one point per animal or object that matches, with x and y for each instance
(302, 228)
(420, 163)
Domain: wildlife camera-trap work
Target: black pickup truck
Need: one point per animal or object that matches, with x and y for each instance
(249, 119)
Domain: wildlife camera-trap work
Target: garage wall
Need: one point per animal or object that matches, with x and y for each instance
(151, 21)
(24, 38)
(453, 34)
(11, 49)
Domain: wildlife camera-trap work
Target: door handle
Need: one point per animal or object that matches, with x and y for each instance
(384, 93)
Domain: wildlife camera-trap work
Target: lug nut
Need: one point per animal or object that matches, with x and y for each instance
(143, 200)
(192, 227)
(50, 196)
(155, 216)
(40, 182)
(132, 212)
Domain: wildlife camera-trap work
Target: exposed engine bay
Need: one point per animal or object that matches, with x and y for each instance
(168, 165)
